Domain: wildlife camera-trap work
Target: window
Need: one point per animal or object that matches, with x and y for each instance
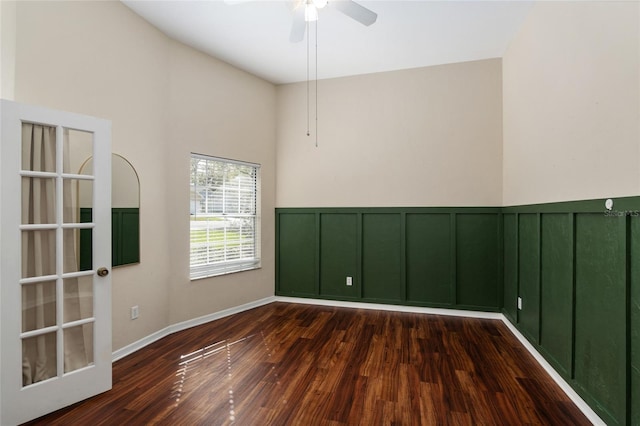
(225, 227)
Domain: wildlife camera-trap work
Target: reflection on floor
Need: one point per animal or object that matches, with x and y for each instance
(195, 365)
(288, 364)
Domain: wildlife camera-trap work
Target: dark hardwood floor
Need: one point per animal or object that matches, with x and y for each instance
(290, 364)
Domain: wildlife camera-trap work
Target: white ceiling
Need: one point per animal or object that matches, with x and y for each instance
(254, 35)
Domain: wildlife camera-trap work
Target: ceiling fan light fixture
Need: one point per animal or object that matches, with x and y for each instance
(319, 4)
(310, 12)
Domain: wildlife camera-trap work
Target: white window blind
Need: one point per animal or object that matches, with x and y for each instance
(224, 219)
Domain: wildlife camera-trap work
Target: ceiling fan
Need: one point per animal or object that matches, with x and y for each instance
(307, 11)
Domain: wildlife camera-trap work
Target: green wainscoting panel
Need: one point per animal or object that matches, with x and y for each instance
(634, 261)
(576, 265)
(125, 237)
(529, 274)
(86, 240)
(297, 244)
(126, 223)
(429, 262)
(620, 206)
(477, 265)
(601, 318)
(589, 297)
(338, 255)
(510, 244)
(116, 241)
(448, 257)
(635, 394)
(381, 263)
(556, 281)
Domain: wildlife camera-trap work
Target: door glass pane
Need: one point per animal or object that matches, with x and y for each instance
(38, 200)
(77, 149)
(39, 358)
(38, 253)
(78, 347)
(38, 305)
(38, 148)
(85, 196)
(73, 246)
(78, 298)
(77, 198)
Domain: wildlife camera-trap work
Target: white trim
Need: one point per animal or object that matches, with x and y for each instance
(568, 390)
(209, 270)
(395, 308)
(220, 314)
(135, 346)
(139, 344)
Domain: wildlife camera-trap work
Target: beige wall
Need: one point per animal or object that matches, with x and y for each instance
(421, 137)
(217, 110)
(7, 48)
(571, 103)
(99, 58)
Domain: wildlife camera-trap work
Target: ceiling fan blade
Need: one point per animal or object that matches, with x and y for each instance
(299, 26)
(355, 11)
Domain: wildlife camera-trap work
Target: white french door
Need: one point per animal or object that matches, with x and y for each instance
(55, 241)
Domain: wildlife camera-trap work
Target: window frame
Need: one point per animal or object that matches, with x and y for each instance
(218, 268)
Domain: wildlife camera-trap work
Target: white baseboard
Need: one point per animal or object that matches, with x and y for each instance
(395, 308)
(568, 390)
(135, 346)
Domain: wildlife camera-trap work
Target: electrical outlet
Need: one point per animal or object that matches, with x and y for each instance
(519, 303)
(135, 312)
(349, 281)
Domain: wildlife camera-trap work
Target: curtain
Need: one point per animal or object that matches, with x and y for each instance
(38, 253)
(39, 301)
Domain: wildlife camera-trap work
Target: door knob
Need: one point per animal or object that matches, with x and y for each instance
(103, 272)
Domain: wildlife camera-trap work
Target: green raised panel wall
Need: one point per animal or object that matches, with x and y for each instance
(529, 274)
(600, 340)
(634, 260)
(339, 254)
(588, 276)
(125, 223)
(556, 280)
(296, 245)
(436, 257)
(86, 241)
(381, 251)
(429, 260)
(125, 237)
(477, 266)
(510, 243)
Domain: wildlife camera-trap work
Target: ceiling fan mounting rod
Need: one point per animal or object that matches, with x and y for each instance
(307, 11)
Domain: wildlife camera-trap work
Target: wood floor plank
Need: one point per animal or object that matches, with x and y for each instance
(290, 364)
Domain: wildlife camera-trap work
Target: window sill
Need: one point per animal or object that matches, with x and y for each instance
(213, 274)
